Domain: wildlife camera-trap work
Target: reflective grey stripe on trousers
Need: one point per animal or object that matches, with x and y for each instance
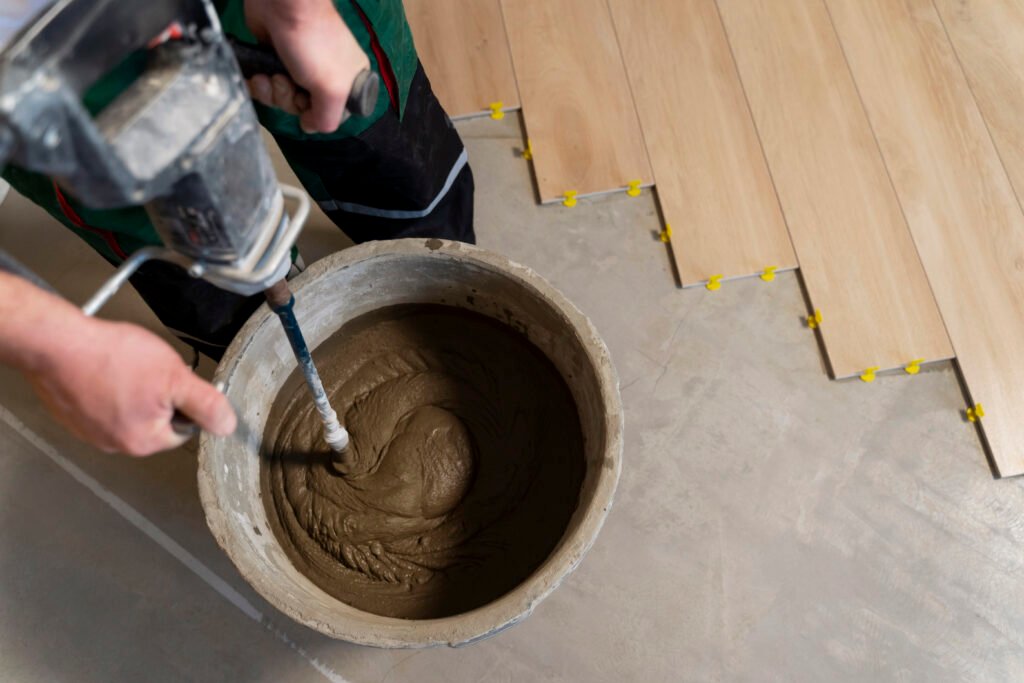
(334, 205)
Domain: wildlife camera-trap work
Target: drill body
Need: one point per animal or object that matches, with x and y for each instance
(182, 140)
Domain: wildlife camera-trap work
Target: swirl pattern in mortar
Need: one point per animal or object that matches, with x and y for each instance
(465, 464)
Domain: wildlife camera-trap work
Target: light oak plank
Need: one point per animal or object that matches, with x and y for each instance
(712, 181)
(958, 200)
(988, 37)
(465, 53)
(577, 108)
(856, 255)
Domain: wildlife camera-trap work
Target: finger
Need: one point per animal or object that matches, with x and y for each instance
(164, 440)
(284, 94)
(144, 441)
(325, 111)
(206, 406)
(103, 442)
(261, 90)
(302, 102)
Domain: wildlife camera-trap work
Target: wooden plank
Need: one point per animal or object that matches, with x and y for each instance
(958, 199)
(577, 108)
(988, 37)
(856, 255)
(712, 181)
(465, 53)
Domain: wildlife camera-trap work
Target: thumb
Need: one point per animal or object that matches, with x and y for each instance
(206, 406)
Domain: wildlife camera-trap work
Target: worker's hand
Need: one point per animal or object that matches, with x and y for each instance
(320, 52)
(117, 386)
(113, 384)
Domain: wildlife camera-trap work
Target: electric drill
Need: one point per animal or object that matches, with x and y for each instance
(182, 140)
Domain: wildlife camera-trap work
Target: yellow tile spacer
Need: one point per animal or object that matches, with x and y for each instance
(497, 108)
(975, 414)
(814, 320)
(569, 198)
(769, 273)
(633, 189)
(869, 374)
(528, 152)
(666, 234)
(714, 283)
(914, 366)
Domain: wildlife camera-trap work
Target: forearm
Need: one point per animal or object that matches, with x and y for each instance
(295, 11)
(319, 51)
(35, 324)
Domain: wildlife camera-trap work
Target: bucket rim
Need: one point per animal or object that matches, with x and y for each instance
(367, 628)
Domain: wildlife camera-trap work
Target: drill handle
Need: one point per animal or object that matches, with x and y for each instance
(6, 145)
(259, 59)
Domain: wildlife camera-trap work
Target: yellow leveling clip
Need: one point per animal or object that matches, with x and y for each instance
(528, 152)
(633, 189)
(975, 414)
(869, 374)
(914, 366)
(666, 234)
(496, 110)
(714, 283)
(769, 273)
(814, 320)
(569, 198)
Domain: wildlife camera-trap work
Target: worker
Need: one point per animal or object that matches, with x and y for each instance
(400, 172)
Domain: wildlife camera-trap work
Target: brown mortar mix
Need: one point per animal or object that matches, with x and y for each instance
(465, 465)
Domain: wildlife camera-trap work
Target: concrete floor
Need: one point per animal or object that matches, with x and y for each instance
(770, 524)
